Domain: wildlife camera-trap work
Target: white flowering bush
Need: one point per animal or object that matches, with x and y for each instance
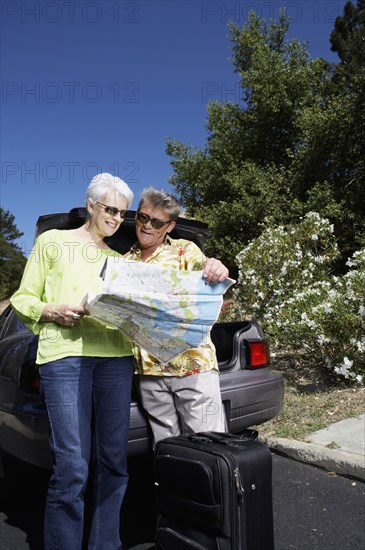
(285, 281)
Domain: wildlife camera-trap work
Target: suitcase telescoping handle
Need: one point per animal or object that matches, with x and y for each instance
(223, 438)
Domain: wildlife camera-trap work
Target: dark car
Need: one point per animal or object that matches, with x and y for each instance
(252, 392)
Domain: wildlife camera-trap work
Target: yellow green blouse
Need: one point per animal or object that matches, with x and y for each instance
(62, 269)
(186, 255)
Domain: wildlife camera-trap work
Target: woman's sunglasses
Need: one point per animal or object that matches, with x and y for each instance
(112, 211)
(156, 224)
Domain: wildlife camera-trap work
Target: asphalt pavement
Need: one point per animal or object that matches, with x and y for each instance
(340, 448)
(311, 509)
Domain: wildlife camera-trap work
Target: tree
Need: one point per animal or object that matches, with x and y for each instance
(12, 259)
(243, 174)
(294, 144)
(348, 39)
(328, 169)
(330, 160)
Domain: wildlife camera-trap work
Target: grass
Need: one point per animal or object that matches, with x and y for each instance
(313, 400)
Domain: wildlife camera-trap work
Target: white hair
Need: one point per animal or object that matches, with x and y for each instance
(104, 182)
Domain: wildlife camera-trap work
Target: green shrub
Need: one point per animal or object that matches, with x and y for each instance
(285, 281)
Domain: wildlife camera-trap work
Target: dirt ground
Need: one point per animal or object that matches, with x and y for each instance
(313, 399)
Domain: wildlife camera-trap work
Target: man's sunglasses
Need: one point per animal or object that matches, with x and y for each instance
(145, 218)
(112, 211)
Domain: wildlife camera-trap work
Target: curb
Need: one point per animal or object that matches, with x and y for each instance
(333, 460)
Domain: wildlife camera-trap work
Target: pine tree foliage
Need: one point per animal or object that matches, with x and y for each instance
(12, 259)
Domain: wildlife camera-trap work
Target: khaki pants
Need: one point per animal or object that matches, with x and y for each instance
(182, 404)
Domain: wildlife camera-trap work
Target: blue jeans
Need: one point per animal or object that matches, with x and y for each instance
(88, 405)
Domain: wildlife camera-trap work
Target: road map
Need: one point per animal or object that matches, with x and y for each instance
(164, 311)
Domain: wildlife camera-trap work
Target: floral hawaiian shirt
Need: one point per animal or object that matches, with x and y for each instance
(177, 254)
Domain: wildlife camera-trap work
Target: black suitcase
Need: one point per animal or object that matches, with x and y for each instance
(214, 492)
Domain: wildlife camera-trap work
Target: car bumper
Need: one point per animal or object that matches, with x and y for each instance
(249, 397)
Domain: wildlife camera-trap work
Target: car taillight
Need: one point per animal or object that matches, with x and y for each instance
(259, 354)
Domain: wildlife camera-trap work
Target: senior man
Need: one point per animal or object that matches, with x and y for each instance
(184, 395)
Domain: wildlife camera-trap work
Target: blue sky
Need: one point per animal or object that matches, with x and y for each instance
(90, 86)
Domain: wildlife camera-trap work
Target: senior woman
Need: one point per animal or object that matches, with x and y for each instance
(184, 395)
(85, 369)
